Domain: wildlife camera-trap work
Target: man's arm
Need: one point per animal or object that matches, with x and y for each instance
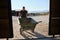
(19, 14)
(27, 13)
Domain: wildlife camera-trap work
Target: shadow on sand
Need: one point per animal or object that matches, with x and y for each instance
(36, 36)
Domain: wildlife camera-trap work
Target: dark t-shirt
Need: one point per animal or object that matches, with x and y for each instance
(23, 13)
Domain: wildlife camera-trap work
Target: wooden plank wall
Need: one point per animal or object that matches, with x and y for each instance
(5, 19)
(54, 24)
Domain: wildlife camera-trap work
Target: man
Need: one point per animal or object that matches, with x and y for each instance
(23, 13)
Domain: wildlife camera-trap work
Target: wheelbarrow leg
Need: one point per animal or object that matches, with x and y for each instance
(20, 31)
(33, 30)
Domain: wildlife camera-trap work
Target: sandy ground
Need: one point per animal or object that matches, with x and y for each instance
(41, 29)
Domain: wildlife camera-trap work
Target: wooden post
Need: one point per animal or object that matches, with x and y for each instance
(53, 35)
(7, 38)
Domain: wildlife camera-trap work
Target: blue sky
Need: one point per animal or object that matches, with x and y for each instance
(31, 5)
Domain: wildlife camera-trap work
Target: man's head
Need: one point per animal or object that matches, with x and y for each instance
(23, 8)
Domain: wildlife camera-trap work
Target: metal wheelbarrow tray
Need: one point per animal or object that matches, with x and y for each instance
(27, 24)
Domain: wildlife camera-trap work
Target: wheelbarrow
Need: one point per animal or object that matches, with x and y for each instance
(27, 24)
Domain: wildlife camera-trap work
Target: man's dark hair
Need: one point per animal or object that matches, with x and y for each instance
(23, 7)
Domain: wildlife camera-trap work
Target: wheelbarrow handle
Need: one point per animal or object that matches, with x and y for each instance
(39, 22)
